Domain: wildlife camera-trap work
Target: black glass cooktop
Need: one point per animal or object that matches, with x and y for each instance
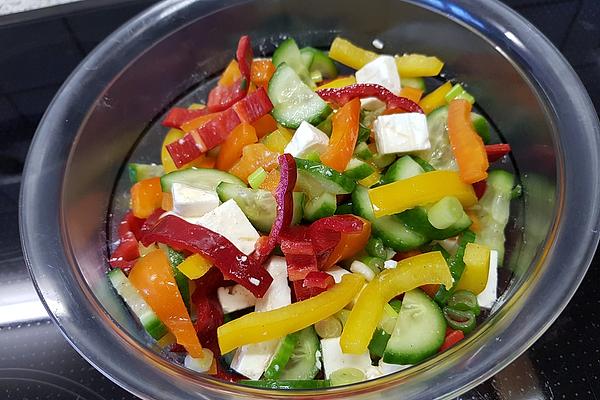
(39, 49)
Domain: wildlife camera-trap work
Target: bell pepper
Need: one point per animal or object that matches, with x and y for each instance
(349, 245)
(341, 96)
(130, 223)
(268, 325)
(345, 52)
(166, 160)
(231, 149)
(177, 116)
(420, 190)
(254, 106)
(244, 56)
(409, 274)
(277, 140)
(264, 125)
(234, 264)
(477, 263)
(418, 65)
(150, 222)
(254, 156)
(370, 180)
(496, 151)
(467, 145)
(261, 72)
(195, 266)
(152, 276)
(479, 188)
(435, 99)
(315, 283)
(126, 252)
(146, 196)
(300, 255)
(230, 75)
(452, 337)
(343, 136)
(220, 97)
(411, 93)
(271, 181)
(197, 122)
(339, 83)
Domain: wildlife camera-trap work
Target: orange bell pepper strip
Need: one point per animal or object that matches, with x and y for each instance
(349, 245)
(411, 93)
(231, 74)
(264, 125)
(261, 72)
(146, 196)
(197, 122)
(343, 136)
(271, 181)
(152, 276)
(254, 156)
(231, 149)
(467, 145)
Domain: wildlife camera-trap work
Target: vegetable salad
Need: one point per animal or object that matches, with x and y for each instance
(307, 228)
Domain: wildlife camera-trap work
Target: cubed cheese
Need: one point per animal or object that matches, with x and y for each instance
(229, 220)
(235, 298)
(389, 264)
(334, 358)
(387, 369)
(307, 139)
(382, 71)
(189, 201)
(337, 273)
(488, 297)
(251, 360)
(401, 133)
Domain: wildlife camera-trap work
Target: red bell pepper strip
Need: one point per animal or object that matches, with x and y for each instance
(326, 234)
(221, 98)
(126, 253)
(253, 106)
(452, 337)
(299, 252)
(185, 150)
(244, 56)
(150, 222)
(178, 116)
(315, 283)
(285, 206)
(215, 131)
(496, 151)
(340, 96)
(234, 264)
(131, 223)
(479, 188)
(208, 310)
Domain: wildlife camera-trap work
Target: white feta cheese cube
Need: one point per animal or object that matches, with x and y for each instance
(488, 297)
(389, 264)
(381, 71)
(251, 360)
(387, 369)
(334, 358)
(190, 201)
(229, 220)
(337, 273)
(235, 298)
(307, 139)
(401, 133)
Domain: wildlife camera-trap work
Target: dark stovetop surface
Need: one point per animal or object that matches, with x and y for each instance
(40, 49)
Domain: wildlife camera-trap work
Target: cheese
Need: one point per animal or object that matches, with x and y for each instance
(337, 273)
(401, 133)
(189, 201)
(235, 298)
(488, 297)
(389, 264)
(334, 358)
(381, 71)
(307, 139)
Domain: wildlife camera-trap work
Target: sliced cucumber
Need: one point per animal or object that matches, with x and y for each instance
(363, 133)
(258, 205)
(294, 101)
(183, 284)
(403, 168)
(287, 384)
(320, 62)
(205, 178)
(383, 160)
(326, 126)
(137, 304)
(139, 172)
(363, 151)
(358, 169)
(282, 356)
(424, 164)
(419, 332)
(319, 207)
(416, 83)
(315, 178)
(304, 362)
(289, 53)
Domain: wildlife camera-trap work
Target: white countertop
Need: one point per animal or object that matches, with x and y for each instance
(14, 6)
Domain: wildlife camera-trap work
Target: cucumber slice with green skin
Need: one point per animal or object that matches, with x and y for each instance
(289, 53)
(319, 207)
(139, 172)
(304, 362)
(315, 178)
(204, 178)
(320, 62)
(494, 210)
(363, 152)
(363, 133)
(416, 83)
(183, 284)
(358, 169)
(307, 59)
(419, 332)
(383, 160)
(282, 356)
(137, 304)
(378, 343)
(294, 101)
(287, 384)
(258, 205)
(403, 168)
(326, 126)
(424, 164)
(417, 219)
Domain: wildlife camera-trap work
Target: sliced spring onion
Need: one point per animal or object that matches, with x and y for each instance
(460, 320)
(458, 92)
(346, 376)
(445, 212)
(464, 300)
(375, 248)
(329, 328)
(256, 178)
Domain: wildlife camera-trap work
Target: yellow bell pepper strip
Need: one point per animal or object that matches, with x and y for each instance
(146, 196)
(410, 273)
(343, 136)
(345, 52)
(477, 265)
(371, 179)
(420, 190)
(195, 266)
(277, 140)
(467, 145)
(231, 74)
(339, 83)
(152, 276)
(435, 99)
(418, 65)
(268, 325)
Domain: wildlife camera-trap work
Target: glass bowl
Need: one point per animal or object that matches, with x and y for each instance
(113, 99)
